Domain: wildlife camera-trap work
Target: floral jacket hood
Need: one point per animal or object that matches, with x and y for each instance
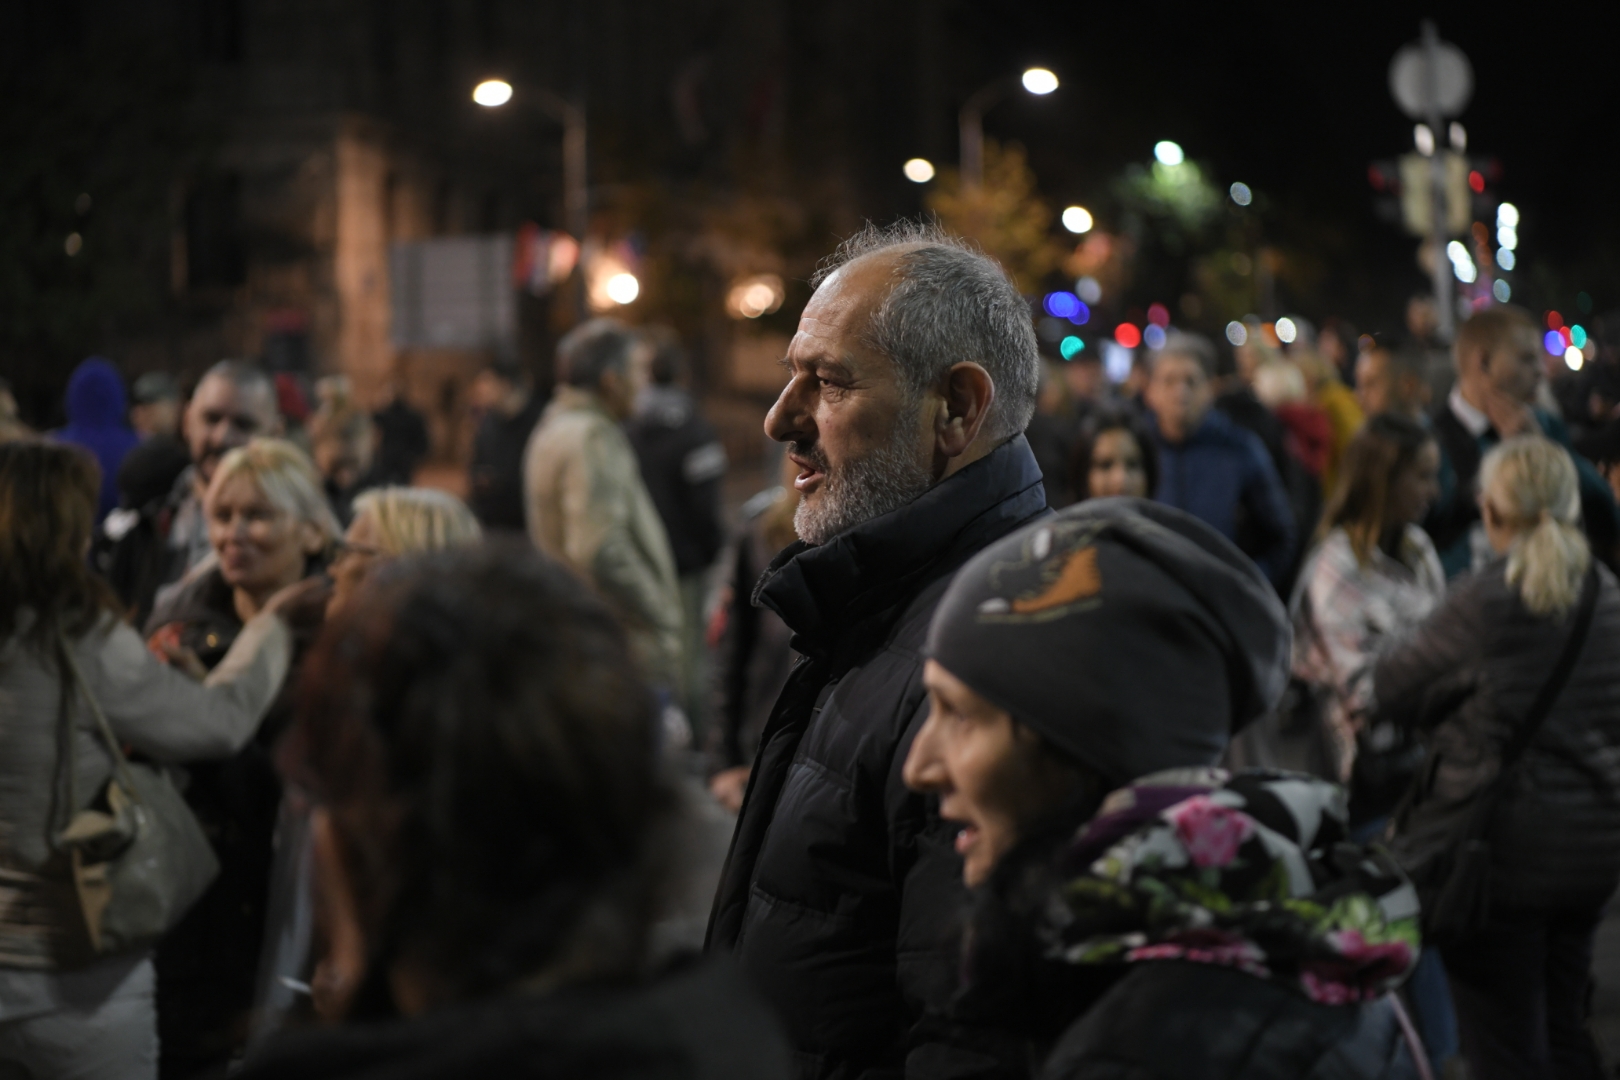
(1252, 870)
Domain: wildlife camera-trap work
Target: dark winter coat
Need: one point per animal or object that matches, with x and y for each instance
(1177, 1021)
(682, 464)
(1222, 475)
(842, 894)
(699, 1023)
(495, 491)
(1468, 676)
(206, 964)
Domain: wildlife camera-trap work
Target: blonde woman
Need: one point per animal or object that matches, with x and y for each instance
(270, 527)
(1469, 676)
(394, 521)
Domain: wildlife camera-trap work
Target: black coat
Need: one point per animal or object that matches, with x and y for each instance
(1178, 1021)
(682, 464)
(700, 1023)
(1468, 676)
(843, 894)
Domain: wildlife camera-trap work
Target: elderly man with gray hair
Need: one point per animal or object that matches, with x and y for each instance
(910, 381)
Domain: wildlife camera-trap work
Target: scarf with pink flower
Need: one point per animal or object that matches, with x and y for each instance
(1252, 870)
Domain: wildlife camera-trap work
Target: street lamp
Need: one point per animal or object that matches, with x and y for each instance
(493, 93)
(970, 121)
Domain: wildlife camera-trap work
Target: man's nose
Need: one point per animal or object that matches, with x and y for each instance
(789, 419)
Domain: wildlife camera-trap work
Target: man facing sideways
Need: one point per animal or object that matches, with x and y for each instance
(1210, 467)
(511, 411)
(586, 504)
(157, 543)
(1391, 381)
(1498, 358)
(910, 381)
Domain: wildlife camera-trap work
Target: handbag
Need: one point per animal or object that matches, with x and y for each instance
(138, 854)
(1455, 890)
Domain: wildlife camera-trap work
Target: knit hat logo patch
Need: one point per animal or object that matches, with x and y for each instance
(1055, 576)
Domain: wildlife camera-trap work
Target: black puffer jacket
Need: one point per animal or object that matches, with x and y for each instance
(842, 893)
(1469, 674)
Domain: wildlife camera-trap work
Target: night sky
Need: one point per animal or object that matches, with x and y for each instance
(1293, 99)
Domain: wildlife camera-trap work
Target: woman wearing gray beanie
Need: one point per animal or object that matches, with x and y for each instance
(1140, 911)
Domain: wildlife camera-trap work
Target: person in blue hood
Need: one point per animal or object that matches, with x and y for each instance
(97, 421)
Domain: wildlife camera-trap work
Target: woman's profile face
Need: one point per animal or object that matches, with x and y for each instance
(1116, 466)
(261, 547)
(1413, 488)
(360, 552)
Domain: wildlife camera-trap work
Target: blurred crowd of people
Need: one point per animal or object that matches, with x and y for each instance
(1029, 725)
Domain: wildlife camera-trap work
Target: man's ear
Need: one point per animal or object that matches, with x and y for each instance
(968, 392)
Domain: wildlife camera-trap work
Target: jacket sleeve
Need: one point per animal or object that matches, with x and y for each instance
(170, 717)
(596, 530)
(934, 905)
(1267, 504)
(1436, 663)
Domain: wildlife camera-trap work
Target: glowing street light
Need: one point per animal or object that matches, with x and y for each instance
(623, 288)
(1077, 219)
(970, 121)
(1040, 81)
(492, 92)
(919, 170)
(1168, 153)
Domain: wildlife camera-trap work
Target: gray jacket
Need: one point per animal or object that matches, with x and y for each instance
(1468, 676)
(160, 712)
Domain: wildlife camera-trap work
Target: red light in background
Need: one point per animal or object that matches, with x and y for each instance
(1127, 335)
(1158, 315)
(1375, 177)
(1563, 332)
(1476, 181)
(1555, 321)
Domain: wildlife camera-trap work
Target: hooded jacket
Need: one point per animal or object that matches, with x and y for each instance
(96, 421)
(842, 894)
(1201, 925)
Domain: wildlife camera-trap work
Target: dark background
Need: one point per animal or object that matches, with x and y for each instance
(758, 125)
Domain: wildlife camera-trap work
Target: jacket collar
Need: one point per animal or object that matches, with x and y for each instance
(823, 591)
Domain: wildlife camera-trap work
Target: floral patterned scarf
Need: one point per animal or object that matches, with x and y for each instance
(1252, 870)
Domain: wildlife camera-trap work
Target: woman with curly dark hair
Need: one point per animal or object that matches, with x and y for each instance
(490, 834)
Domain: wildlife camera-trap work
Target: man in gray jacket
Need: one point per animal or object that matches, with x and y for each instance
(585, 501)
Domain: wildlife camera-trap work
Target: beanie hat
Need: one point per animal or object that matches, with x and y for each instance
(1130, 635)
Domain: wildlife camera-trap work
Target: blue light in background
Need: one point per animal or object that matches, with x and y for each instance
(1553, 342)
(1062, 304)
(1153, 336)
(1082, 314)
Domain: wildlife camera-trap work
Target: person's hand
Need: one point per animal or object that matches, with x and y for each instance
(165, 645)
(300, 597)
(1508, 415)
(728, 786)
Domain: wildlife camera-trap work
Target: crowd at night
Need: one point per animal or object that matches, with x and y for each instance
(649, 539)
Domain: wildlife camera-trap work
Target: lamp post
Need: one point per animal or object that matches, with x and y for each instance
(493, 93)
(970, 120)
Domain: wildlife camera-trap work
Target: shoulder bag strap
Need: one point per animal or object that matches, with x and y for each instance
(120, 763)
(1516, 746)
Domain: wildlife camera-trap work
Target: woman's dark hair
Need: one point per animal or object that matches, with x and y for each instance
(487, 749)
(1085, 446)
(1385, 445)
(48, 495)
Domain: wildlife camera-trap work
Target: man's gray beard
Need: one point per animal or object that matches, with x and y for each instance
(883, 481)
